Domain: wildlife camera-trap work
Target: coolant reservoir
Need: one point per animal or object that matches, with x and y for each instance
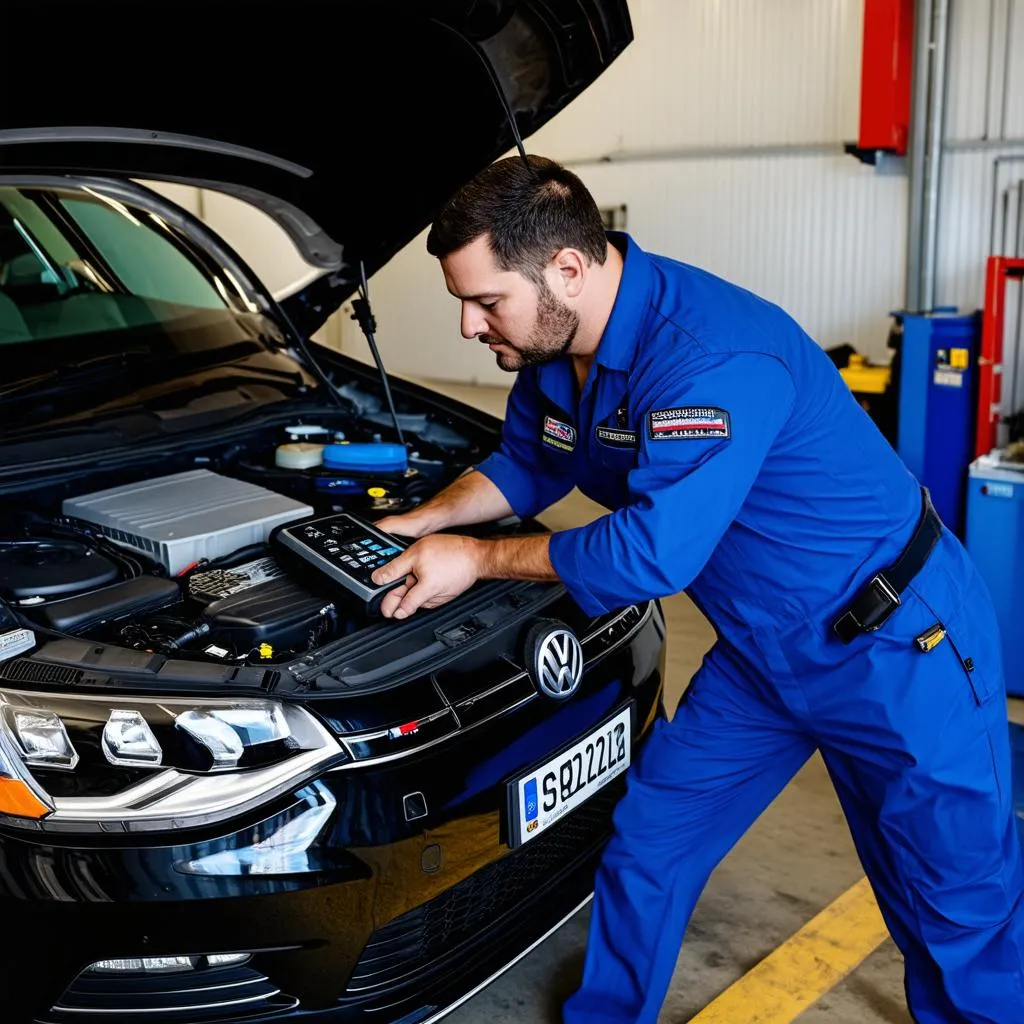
(377, 457)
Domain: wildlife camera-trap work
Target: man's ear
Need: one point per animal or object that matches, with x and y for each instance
(570, 271)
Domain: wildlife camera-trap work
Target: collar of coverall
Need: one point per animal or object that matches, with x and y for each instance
(617, 347)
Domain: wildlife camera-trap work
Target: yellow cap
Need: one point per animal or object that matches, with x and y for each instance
(266, 651)
(376, 492)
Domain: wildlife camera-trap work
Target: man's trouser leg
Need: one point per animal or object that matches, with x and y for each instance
(700, 782)
(918, 749)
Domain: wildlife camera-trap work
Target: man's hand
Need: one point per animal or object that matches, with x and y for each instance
(442, 566)
(407, 525)
(436, 570)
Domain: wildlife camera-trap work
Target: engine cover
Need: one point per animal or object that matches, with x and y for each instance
(185, 517)
(277, 611)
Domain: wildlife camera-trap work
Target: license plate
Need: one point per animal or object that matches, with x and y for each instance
(543, 795)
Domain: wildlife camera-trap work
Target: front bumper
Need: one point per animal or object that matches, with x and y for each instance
(393, 929)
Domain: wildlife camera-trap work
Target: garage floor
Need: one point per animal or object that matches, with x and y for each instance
(794, 862)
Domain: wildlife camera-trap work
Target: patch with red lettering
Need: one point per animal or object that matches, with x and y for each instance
(689, 422)
(558, 434)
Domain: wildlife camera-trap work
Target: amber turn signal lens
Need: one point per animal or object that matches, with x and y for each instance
(16, 798)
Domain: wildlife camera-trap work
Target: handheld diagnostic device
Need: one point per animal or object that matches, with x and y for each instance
(343, 549)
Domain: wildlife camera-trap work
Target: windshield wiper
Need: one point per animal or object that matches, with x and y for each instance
(71, 371)
(60, 375)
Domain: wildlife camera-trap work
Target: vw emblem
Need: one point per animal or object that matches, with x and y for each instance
(557, 663)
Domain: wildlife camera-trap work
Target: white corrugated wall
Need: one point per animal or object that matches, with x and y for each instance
(982, 184)
(822, 235)
(983, 165)
(986, 53)
(705, 73)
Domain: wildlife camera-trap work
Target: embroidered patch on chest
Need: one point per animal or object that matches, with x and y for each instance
(558, 434)
(616, 437)
(688, 421)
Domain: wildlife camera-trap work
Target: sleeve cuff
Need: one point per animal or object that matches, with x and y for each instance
(563, 550)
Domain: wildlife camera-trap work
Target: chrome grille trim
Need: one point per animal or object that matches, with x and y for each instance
(236, 993)
(193, 1008)
(350, 739)
(365, 737)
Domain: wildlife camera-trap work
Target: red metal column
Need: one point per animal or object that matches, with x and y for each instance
(886, 75)
(998, 271)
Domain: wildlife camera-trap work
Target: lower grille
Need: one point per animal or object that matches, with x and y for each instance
(484, 906)
(209, 996)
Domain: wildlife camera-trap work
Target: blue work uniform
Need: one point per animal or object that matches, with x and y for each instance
(738, 467)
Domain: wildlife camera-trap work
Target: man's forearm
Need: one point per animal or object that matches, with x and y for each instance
(516, 558)
(471, 498)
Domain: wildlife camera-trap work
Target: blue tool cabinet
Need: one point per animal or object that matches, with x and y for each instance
(937, 404)
(995, 542)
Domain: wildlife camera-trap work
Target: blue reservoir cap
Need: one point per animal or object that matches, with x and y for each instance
(379, 457)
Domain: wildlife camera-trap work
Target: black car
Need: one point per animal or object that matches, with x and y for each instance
(228, 790)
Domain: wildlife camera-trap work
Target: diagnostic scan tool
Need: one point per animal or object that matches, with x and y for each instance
(344, 550)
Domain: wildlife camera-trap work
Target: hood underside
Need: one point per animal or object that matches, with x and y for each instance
(349, 123)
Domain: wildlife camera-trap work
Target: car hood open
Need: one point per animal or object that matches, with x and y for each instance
(349, 123)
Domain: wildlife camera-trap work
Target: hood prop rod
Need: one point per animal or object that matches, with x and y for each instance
(492, 76)
(363, 315)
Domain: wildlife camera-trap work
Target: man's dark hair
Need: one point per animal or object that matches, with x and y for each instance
(529, 211)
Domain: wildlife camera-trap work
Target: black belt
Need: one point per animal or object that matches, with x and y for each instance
(880, 596)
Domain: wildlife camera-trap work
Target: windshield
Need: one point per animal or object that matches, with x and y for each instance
(106, 304)
(76, 262)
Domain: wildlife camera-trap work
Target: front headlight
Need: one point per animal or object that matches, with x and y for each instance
(74, 763)
(41, 737)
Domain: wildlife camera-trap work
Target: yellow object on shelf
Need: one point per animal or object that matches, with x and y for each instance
(864, 377)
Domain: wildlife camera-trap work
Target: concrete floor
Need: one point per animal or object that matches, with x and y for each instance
(794, 861)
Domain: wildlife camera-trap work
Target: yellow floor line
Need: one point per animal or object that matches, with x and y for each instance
(804, 967)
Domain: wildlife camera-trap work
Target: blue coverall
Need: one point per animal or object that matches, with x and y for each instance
(738, 467)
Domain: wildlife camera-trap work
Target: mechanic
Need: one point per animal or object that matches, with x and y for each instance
(737, 466)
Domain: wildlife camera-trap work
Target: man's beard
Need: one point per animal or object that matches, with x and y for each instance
(550, 338)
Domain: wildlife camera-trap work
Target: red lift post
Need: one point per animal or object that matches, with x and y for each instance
(886, 61)
(999, 271)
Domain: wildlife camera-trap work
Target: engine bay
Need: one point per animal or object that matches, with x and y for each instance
(172, 556)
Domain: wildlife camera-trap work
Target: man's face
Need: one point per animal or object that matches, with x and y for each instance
(521, 323)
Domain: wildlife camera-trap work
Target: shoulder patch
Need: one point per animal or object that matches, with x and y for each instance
(688, 421)
(558, 434)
